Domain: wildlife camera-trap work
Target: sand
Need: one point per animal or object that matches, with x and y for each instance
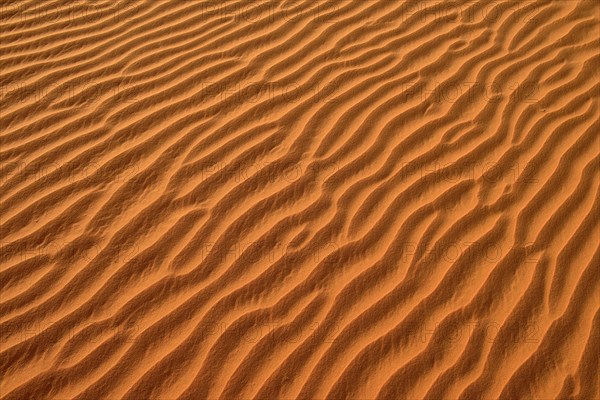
(299, 199)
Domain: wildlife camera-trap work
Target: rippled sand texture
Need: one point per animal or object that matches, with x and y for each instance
(300, 199)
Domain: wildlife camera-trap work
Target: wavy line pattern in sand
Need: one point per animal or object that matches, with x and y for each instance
(300, 199)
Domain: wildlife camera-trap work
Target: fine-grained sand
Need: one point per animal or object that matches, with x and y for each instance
(299, 199)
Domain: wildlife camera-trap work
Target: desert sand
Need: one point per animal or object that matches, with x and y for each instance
(244, 199)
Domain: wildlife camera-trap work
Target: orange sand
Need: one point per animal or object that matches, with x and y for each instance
(243, 199)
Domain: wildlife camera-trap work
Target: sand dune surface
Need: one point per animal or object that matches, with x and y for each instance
(300, 199)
